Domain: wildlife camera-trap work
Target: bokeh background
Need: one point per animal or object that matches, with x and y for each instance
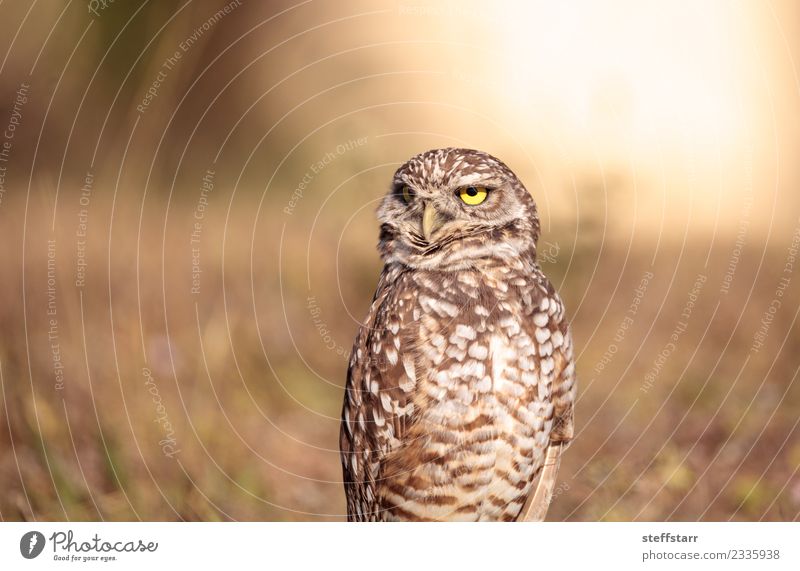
(187, 195)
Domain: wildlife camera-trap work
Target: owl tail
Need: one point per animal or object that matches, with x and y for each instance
(536, 509)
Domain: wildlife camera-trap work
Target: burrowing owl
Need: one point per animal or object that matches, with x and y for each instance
(462, 378)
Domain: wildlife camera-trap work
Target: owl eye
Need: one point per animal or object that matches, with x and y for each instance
(473, 195)
(407, 194)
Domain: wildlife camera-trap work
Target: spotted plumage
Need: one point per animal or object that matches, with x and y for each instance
(462, 374)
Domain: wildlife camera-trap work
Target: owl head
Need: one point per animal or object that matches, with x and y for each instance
(457, 208)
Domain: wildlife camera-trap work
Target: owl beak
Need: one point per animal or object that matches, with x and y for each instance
(431, 221)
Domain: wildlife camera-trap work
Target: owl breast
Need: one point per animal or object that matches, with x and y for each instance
(482, 398)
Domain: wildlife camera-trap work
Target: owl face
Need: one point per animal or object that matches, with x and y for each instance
(450, 208)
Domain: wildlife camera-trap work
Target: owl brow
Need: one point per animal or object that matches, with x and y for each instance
(486, 186)
(487, 183)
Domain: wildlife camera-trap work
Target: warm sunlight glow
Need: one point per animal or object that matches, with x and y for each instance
(637, 77)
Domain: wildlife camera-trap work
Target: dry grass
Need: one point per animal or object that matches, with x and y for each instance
(252, 390)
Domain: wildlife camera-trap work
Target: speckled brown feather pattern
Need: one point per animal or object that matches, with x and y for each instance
(462, 373)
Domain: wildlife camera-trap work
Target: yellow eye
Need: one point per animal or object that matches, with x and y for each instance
(408, 194)
(473, 195)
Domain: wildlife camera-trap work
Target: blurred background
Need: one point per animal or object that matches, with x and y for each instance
(187, 196)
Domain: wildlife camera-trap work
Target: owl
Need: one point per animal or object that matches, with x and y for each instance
(461, 384)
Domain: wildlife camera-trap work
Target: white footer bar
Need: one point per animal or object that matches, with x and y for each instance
(384, 547)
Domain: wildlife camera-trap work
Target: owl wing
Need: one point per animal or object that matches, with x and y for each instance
(564, 381)
(547, 323)
(378, 406)
(554, 339)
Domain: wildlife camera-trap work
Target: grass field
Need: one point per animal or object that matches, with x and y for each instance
(224, 404)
